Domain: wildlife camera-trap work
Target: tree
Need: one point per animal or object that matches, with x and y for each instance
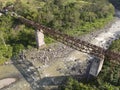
(5, 53)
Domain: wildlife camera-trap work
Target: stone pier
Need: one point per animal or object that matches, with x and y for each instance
(96, 66)
(39, 38)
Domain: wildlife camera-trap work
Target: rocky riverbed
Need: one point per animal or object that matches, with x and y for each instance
(56, 62)
(57, 59)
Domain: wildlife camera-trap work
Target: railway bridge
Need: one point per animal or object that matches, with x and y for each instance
(73, 42)
(69, 41)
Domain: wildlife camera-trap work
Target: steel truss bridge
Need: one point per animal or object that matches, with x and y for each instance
(66, 39)
(72, 41)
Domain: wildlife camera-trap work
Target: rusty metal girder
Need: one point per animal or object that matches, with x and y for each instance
(72, 41)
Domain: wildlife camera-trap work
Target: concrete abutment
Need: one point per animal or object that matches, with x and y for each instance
(39, 38)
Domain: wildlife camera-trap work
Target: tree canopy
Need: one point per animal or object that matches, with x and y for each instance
(74, 17)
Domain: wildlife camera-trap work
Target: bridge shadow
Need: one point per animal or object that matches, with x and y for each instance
(27, 69)
(32, 75)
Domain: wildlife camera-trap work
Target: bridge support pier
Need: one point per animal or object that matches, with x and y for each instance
(39, 38)
(96, 66)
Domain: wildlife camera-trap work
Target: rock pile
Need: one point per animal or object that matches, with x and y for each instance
(49, 54)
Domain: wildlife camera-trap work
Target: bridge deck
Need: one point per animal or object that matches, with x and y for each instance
(73, 42)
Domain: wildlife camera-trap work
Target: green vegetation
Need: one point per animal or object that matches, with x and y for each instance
(13, 37)
(74, 17)
(115, 46)
(5, 52)
(108, 79)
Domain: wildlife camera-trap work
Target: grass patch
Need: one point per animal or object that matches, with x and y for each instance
(89, 27)
(49, 40)
(115, 46)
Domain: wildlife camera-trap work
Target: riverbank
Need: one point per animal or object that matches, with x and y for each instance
(89, 37)
(16, 81)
